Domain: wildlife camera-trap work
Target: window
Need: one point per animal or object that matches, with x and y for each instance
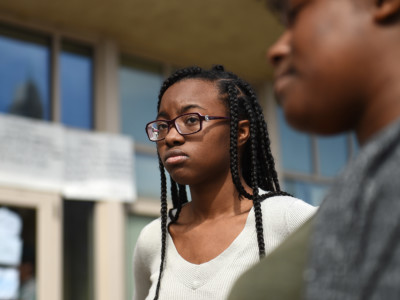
(309, 162)
(139, 84)
(76, 68)
(26, 73)
(295, 148)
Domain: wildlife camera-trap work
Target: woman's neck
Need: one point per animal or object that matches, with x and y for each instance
(216, 200)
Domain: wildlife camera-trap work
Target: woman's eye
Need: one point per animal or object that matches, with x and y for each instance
(192, 121)
(162, 126)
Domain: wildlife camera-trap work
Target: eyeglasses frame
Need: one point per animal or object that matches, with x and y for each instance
(172, 123)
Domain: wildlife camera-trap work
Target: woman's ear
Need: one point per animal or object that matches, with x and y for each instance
(386, 9)
(243, 132)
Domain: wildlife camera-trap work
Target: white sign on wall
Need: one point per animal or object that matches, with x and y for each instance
(97, 165)
(31, 153)
(79, 164)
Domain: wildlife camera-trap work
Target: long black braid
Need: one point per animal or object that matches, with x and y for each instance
(163, 212)
(257, 165)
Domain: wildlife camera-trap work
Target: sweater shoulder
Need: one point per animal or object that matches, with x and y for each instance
(149, 240)
(286, 211)
(285, 203)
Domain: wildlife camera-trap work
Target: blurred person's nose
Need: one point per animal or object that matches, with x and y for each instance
(280, 49)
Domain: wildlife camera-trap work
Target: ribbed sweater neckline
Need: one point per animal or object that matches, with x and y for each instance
(202, 273)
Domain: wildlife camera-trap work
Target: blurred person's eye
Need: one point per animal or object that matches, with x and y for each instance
(292, 13)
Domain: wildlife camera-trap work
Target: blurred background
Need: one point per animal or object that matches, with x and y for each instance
(96, 67)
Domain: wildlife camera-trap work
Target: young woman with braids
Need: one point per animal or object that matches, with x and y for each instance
(211, 136)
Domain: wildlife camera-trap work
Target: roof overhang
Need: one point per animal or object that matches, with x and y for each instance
(235, 33)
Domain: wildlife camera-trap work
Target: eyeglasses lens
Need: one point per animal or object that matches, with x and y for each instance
(188, 124)
(156, 130)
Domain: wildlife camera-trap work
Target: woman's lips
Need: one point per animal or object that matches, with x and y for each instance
(175, 159)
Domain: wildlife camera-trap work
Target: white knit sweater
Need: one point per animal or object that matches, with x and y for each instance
(213, 279)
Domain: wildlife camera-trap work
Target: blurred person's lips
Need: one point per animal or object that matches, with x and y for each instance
(283, 77)
(174, 157)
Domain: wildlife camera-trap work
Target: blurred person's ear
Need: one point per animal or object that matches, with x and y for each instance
(385, 10)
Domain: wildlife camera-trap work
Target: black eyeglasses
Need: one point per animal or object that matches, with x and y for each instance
(185, 124)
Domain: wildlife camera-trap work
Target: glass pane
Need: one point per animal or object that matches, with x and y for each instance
(148, 180)
(295, 147)
(148, 176)
(139, 84)
(134, 224)
(309, 192)
(76, 74)
(332, 154)
(18, 253)
(24, 75)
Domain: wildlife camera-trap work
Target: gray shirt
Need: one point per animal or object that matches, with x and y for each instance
(355, 250)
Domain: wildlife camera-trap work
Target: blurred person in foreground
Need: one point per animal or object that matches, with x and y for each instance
(337, 69)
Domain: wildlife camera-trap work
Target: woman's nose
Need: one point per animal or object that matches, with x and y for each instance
(173, 136)
(280, 49)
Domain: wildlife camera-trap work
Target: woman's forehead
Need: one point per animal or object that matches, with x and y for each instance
(192, 93)
(190, 89)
